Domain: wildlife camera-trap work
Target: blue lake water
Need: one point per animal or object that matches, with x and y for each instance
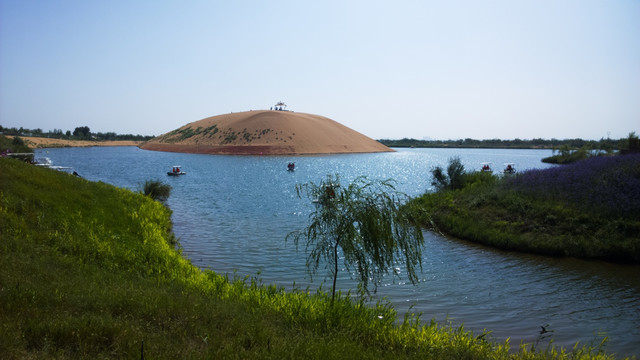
(232, 213)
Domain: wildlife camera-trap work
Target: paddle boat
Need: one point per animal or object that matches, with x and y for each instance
(47, 163)
(510, 168)
(175, 171)
(325, 194)
(44, 162)
(486, 167)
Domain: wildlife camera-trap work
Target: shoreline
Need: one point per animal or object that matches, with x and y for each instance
(247, 149)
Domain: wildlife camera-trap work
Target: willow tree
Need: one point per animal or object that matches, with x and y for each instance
(368, 223)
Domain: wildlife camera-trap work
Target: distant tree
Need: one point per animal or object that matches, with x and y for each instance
(631, 143)
(82, 132)
(107, 136)
(367, 223)
(565, 150)
(634, 141)
(17, 141)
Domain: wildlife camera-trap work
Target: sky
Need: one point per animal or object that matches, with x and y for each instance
(388, 69)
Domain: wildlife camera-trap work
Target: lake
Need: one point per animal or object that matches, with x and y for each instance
(232, 213)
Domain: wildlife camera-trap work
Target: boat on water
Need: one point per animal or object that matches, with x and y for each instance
(176, 171)
(45, 162)
(291, 167)
(486, 167)
(510, 168)
(325, 194)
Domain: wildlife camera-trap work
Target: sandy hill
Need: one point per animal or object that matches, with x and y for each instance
(265, 132)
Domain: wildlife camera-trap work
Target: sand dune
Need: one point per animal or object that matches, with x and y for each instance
(265, 132)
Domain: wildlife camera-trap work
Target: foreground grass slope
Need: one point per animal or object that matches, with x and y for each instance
(88, 270)
(589, 209)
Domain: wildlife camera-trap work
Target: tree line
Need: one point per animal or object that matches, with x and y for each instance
(602, 144)
(79, 133)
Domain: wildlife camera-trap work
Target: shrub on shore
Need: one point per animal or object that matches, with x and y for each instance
(15, 145)
(456, 178)
(157, 190)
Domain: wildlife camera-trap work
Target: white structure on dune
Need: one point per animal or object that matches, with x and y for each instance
(280, 106)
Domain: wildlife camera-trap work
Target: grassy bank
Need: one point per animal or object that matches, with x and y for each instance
(589, 209)
(88, 270)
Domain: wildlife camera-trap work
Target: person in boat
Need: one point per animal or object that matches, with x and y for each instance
(330, 193)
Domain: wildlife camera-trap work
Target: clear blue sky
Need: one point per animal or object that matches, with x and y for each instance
(388, 69)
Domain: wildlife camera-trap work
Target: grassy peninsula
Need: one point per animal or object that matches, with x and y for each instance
(589, 209)
(88, 270)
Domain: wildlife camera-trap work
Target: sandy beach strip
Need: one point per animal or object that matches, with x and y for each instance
(40, 142)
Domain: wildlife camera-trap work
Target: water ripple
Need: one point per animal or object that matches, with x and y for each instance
(232, 213)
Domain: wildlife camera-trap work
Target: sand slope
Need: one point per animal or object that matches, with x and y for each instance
(265, 132)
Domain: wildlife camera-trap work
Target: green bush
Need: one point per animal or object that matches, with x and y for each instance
(15, 145)
(156, 190)
(452, 180)
(456, 178)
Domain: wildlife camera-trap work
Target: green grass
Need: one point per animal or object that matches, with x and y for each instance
(87, 270)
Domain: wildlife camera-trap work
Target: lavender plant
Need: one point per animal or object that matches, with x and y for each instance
(609, 185)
